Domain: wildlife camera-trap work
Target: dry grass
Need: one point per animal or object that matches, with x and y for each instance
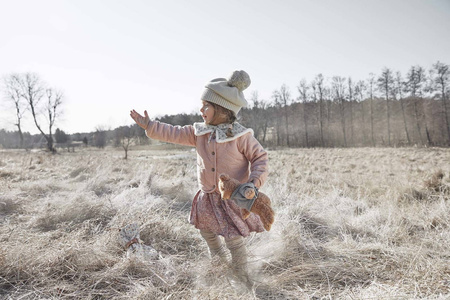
(351, 224)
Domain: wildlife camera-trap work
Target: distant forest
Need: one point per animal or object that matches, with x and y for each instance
(388, 109)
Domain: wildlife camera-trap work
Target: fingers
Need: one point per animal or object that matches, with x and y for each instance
(134, 114)
(139, 119)
(249, 193)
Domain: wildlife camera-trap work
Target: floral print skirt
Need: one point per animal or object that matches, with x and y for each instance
(210, 212)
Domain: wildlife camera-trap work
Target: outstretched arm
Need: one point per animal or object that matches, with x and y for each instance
(165, 132)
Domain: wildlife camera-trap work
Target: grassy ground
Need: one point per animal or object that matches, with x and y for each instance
(351, 224)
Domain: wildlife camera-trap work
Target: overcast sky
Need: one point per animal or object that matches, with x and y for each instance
(109, 57)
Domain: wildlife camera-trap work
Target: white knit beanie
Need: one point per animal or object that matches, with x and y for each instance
(228, 92)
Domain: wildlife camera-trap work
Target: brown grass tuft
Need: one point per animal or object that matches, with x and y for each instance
(9, 206)
(435, 181)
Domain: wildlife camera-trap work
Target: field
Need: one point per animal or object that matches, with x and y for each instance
(361, 223)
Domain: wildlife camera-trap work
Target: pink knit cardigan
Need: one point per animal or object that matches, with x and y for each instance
(242, 158)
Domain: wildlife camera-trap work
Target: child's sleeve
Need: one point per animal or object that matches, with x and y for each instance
(258, 158)
(183, 135)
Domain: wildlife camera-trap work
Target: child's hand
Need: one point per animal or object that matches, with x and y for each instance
(249, 193)
(140, 120)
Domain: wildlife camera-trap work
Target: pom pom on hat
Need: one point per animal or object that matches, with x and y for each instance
(240, 80)
(228, 93)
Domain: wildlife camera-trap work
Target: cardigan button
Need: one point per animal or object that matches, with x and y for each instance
(213, 153)
(213, 169)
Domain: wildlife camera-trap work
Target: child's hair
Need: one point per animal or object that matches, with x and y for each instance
(228, 115)
(220, 111)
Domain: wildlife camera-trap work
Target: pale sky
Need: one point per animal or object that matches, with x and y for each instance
(109, 57)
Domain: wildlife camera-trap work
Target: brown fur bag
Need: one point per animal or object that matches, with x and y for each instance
(261, 206)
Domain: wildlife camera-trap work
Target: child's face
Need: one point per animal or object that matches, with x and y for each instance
(207, 111)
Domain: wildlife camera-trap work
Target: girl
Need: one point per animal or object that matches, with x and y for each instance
(223, 146)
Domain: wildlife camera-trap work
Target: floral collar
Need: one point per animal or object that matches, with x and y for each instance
(221, 131)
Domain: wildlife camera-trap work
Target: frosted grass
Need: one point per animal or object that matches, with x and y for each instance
(350, 224)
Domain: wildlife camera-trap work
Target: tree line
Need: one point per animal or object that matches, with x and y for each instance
(388, 109)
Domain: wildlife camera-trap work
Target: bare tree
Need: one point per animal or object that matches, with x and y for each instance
(318, 90)
(13, 91)
(33, 90)
(398, 93)
(423, 88)
(339, 92)
(385, 84)
(276, 108)
(360, 89)
(414, 86)
(328, 104)
(440, 75)
(303, 90)
(124, 137)
(283, 98)
(350, 105)
(52, 109)
(260, 121)
(371, 88)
